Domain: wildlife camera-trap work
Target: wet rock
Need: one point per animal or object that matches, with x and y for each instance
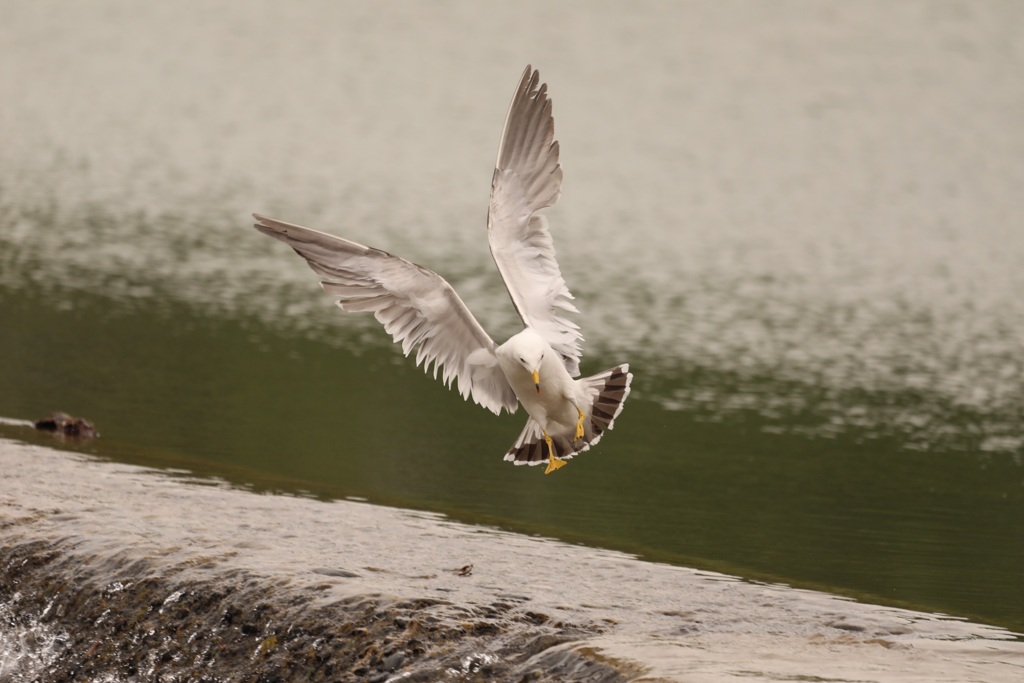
(62, 424)
(152, 619)
(394, 660)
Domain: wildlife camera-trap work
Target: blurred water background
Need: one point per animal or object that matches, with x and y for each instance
(800, 222)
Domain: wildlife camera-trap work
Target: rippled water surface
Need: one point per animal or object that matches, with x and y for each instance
(801, 223)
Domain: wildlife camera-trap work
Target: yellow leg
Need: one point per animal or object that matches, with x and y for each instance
(579, 424)
(553, 462)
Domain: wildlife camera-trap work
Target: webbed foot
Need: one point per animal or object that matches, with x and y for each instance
(553, 462)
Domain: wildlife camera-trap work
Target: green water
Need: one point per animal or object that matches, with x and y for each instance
(233, 399)
(798, 222)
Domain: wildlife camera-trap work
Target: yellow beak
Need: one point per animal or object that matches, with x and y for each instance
(536, 380)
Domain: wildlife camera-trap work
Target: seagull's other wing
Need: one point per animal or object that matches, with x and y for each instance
(415, 305)
(527, 178)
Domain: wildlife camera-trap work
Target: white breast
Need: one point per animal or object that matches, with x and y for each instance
(554, 406)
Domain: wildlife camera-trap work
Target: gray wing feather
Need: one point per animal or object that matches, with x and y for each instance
(527, 178)
(417, 307)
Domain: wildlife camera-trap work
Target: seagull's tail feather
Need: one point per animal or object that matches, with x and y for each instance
(529, 448)
(604, 395)
(607, 392)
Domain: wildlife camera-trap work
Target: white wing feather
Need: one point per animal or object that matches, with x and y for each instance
(527, 178)
(415, 305)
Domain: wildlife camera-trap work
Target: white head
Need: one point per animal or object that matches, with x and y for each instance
(528, 349)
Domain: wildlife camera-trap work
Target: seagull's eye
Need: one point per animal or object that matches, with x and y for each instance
(521, 359)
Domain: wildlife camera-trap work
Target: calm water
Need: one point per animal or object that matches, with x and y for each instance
(800, 223)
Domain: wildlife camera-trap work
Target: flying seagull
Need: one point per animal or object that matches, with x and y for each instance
(535, 367)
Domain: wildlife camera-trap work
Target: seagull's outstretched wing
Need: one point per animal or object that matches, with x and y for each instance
(416, 306)
(527, 178)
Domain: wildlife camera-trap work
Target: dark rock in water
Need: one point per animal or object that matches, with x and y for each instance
(63, 424)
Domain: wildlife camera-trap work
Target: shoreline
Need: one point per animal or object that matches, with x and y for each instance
(124, 572)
